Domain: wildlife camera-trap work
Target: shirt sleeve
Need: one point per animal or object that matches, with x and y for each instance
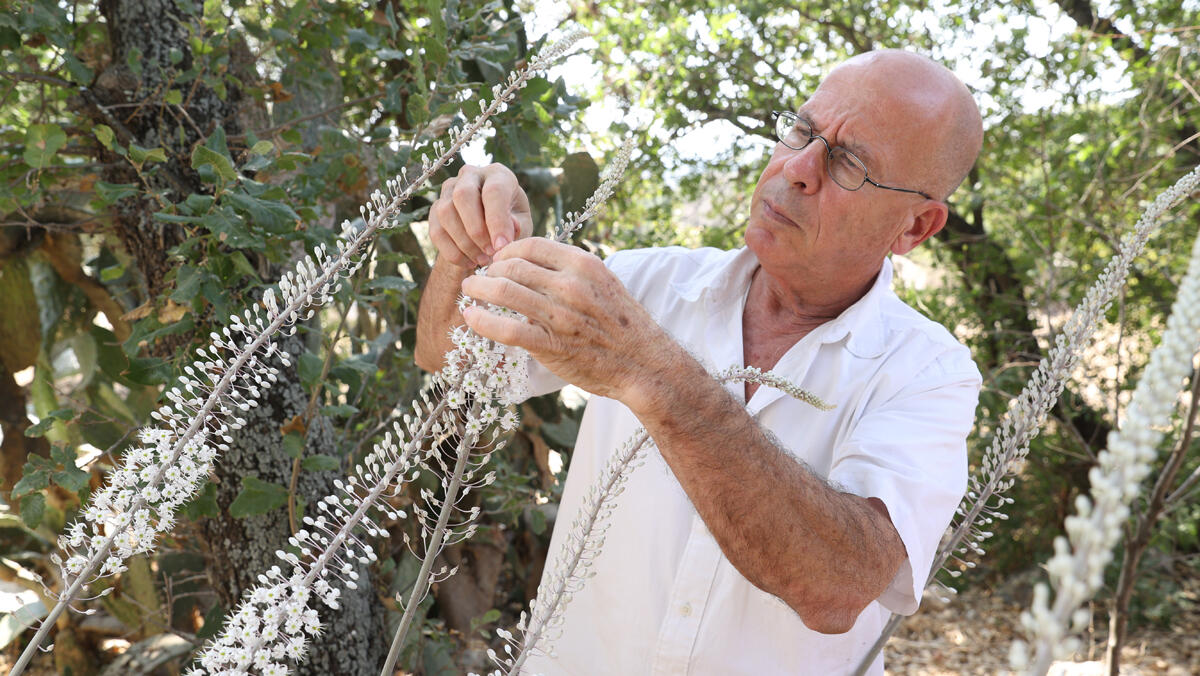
(910, 452)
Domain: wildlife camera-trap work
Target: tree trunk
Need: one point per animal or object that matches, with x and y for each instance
(241, 549)
(147, 33)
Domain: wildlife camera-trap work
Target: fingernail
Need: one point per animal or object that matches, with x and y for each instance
(482, 259)
(501, 242)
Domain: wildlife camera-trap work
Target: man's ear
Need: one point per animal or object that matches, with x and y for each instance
(923, 222)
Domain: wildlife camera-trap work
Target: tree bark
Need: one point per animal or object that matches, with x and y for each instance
(241, 549)
(146, 32)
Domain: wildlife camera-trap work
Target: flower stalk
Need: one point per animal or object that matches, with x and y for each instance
(985, 499)
(126, 516)
(569, 572)
(1077, 568)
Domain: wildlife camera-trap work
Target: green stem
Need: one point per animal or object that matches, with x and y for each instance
(421, 585)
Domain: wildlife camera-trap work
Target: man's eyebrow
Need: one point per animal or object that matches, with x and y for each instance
(859, 151)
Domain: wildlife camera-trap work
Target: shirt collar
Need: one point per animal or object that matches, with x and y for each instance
(729, 280)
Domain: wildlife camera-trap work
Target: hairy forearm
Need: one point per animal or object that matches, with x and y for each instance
(438, 313)
(827, 554)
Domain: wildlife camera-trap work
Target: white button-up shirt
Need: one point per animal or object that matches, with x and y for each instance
(664, 599)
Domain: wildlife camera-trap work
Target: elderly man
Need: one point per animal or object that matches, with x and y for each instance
(763, 536)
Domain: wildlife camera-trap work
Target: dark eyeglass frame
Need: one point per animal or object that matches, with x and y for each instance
(792, 119)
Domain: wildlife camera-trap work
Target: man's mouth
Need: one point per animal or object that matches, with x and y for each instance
(778, 217)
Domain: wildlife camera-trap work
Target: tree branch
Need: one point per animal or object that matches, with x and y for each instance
(1084, 15)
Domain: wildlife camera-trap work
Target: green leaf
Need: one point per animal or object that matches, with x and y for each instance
(187, 283)
(562, 433)
(436, 52)
(33, 509)
(262, 147)
(149, 370)
(257, 497)
(34, 480)
(198, 203)
(204, 504)
(104, 134)
(339, 410)
(320, 463)
(537, 521)
(242, 265)
(223, 166)
(41, 142)
(70, 476)
(309, 368)
(274, 216)
(112, 272)
(231, 230)
(43, 426)
(214, 619)
(293, 444)
(80, 73)
(173, 97)
(134, 60)
(109, 355)
(113, 192)
(139, 155)
(418, 108)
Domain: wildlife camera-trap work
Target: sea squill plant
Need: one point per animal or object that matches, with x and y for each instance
(985, 499)
(568, 572)
(466, 407)
(1076, 569)
(170, 464)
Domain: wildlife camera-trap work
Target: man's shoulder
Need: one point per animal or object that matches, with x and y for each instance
(910, 331)
(669, 267)
(657, 260)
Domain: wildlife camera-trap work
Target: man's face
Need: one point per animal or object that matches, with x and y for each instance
(805, 228)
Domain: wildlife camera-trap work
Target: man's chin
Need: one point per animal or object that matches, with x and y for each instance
(759, 239)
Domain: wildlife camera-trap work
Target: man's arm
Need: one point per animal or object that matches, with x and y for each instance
(438, 314)
(825, 553)
(478, 213)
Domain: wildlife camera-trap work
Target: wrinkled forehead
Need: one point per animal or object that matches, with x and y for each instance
(880, 103)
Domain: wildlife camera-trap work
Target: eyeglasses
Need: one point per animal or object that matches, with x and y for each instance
(843, 166)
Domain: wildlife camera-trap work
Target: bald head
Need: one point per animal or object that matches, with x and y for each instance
(930, 109)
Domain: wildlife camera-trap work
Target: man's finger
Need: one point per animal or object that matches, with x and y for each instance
(509, 294)
(451, 227)
(467, 203)
(541, 251)
(527, 274)
(507, 330)
(499, 194)
(448, 248)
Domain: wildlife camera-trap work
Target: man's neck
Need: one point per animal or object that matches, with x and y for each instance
(776, 317)
(775, 308)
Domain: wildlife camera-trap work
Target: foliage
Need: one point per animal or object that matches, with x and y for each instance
(126, 251)
(141, 203)
(1082, 124)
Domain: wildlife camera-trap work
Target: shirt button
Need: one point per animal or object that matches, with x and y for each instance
(686, 610)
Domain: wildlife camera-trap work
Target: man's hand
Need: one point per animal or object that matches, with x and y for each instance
(478, 213)
(583, 325)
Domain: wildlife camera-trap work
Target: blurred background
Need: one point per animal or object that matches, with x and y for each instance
(163, 161)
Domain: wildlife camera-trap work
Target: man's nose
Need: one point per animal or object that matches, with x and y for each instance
(805, 168)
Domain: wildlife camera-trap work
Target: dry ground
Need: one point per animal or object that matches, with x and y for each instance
(972, 635)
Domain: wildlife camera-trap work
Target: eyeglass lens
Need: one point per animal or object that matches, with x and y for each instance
(844, 168)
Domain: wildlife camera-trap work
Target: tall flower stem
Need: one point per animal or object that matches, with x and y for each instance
(616, 471)
(1077, 568)
(587, 531)
(311, 284)
(1027, 413)
(434, 548)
